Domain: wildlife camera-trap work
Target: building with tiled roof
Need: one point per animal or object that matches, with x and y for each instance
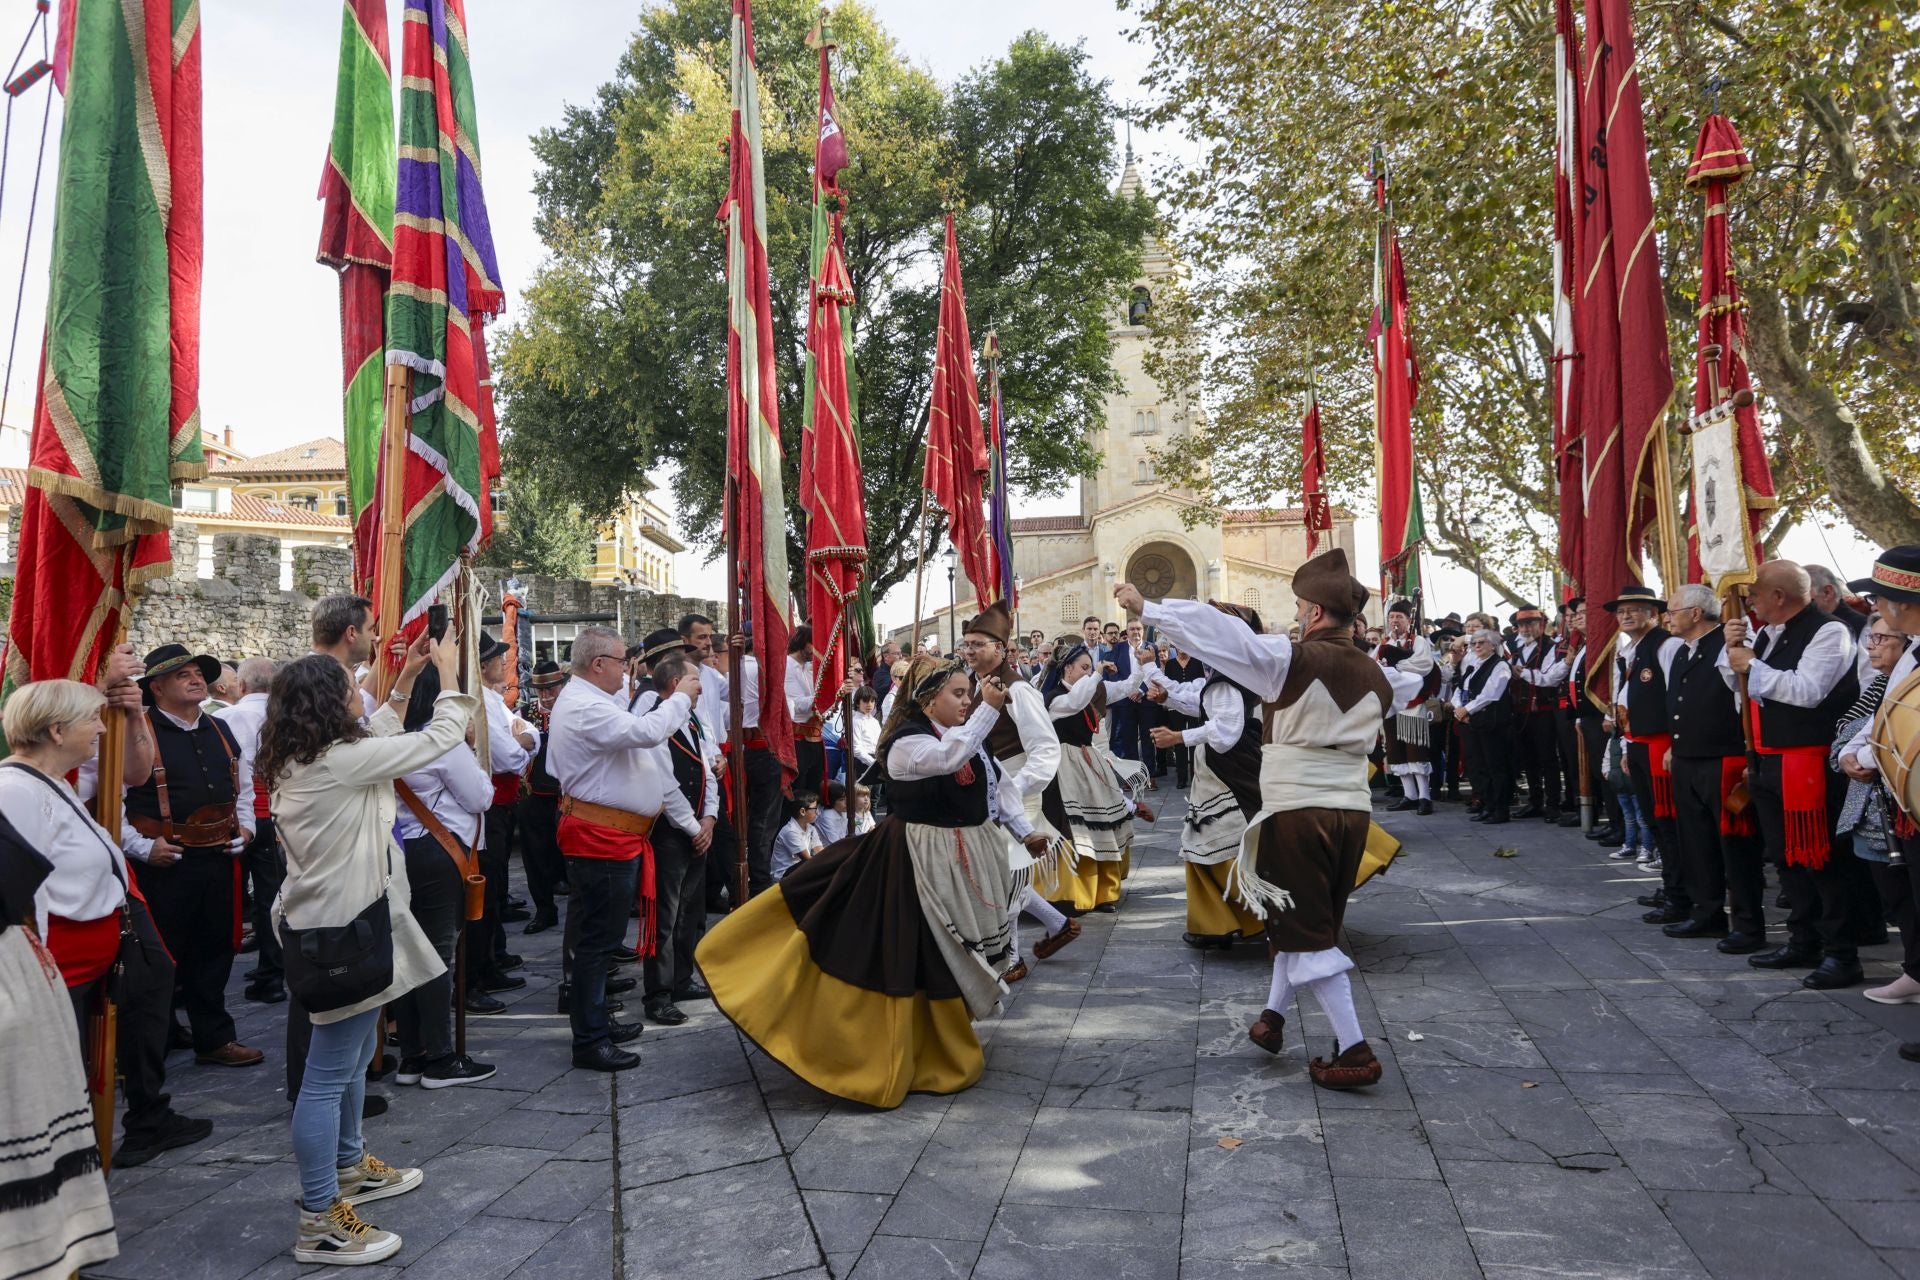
(1131, 526)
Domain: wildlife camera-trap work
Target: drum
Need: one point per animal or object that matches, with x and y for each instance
(1896, 742)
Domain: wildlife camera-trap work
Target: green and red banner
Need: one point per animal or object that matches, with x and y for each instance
(446, 283)
(957, 462)
(356, 240)
(831, 492)
(1396, 385)
(117, 416)
(756, 505)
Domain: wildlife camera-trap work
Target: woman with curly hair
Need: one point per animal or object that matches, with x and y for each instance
(864, 969)
(332, 789)
(1099, 811)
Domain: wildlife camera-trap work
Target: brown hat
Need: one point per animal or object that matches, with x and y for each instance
(994, 620)
(547, 674)
(1326, 581)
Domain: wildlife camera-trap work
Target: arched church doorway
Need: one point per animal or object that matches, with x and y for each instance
(1163, 569)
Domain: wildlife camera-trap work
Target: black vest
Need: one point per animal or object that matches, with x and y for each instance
(199, 770)
(952, 800)
(1239, 765)
(1785, 726)
(689, 771)
(540, 780)
(1700, 707)
(1529, 696)
(1576, 703)
(1646, 686)
(1495, 713)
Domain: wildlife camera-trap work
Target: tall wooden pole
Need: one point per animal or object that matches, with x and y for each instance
(104, 1018)
(919, 564)
(1667, 514)
(392, 498)
(736, 700)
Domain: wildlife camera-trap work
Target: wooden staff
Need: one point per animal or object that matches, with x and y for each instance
(737, 603)
(919, 563)
(103, 1021)
(393, 518)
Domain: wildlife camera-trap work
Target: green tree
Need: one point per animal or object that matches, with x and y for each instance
(539, 531)
(1284, 98)
(619, 361)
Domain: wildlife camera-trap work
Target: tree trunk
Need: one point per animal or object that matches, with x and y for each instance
(1875, 506)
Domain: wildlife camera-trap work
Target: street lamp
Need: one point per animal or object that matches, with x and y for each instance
(1477, 530)
(1018, 582)
(953, 605)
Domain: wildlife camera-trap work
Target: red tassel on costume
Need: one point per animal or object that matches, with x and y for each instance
(1803, 796)
(1658, 746)
(649, 904)
(1903, 826)
(1731, 823)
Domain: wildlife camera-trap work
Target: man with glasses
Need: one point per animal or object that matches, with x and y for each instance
(1643, 658)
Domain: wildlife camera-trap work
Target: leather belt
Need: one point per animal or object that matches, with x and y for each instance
(605, 815)
(206, 827)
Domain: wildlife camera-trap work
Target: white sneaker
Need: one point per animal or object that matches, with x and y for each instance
(1645, 858)
(339, 1238)
(1624, 853)
(375, 1179)
(1902, 990)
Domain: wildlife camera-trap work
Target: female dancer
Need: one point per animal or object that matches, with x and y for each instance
(864, 969)
(1099, 813)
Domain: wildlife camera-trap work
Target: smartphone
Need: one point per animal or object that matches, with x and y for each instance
(436, 622)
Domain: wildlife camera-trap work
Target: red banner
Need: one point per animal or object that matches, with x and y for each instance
(957, 461)
(1569, 448)
(1313, 477)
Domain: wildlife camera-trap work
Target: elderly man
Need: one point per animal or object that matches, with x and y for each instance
(510, 744)
(540, 808)
(1324, 700)
(187, 827)
(1643, 656)
(612, 793)
(1484, 713)
(1539, 670)
(263, 863)
(1800, 676)
(1830, 599)
(690, 803)
(1719, 852)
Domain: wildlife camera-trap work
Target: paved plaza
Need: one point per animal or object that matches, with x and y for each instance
(1567, 1093)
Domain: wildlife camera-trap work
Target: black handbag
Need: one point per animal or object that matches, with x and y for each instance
(330, 968)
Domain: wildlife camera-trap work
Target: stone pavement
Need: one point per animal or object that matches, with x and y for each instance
(1585, 1097)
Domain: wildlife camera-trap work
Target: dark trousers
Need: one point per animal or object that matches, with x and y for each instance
(1123, 729)
(1720, 869)
(809, 767)
(146, 999)
(1899, 886)
(1148, 716)
(1820, 904)
(1490, 765)
(765, 813)
(193, 908)
(1666, 835)
(487, 936)
(722, 861)
(265, 866)
(680, 908)
(1566, 732)
(424, 1015)
(603, 897)
(540, 853)
(1537, 751)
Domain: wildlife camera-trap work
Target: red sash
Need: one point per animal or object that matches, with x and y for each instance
(1657, 746)
(1731, 823)
(1803, 798)
(84, 949)
(579, 838)
(506, 788)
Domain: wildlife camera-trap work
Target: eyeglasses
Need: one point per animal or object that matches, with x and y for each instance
(1880, 639)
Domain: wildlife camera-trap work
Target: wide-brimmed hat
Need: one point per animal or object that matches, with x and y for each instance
(994, 620)
(1634, 593)
(169, 658)
(1527, 613)
(547, 674)
(1328, 581)
(1896, 576)
(659, 644)
(491, 648)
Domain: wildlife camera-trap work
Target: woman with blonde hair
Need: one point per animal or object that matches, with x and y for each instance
(865, 968)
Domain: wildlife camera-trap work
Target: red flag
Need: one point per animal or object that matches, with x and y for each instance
(1626, 376)
(957, 459)
(1396, 385)
(1313, 476)
(756, 506)
(1732, 483)
(830, 488)
(1569, 448)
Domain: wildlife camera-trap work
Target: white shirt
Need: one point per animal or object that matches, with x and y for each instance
(1226, 712)
(89, 877)
(1623, 659)
(792, 845)
(1041, 759)
(832, 825)
(1079, 695)
(1827, 657)
(599, 752)
(506, 755)
(139, 846)
(1256, 661)
(866, 738)
(673, 801)
(1553, 671)
(800, 683)
(715, 720)
(455, 790)
(918, 756)
(1495, 689)
(246, 718)
(1860, 746)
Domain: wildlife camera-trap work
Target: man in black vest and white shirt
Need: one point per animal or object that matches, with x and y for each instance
(1643, 656)
(1800, 675)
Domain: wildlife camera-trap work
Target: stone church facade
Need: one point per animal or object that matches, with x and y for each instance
(1130, 526)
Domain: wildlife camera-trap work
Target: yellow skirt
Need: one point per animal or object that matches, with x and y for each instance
(1211, 914)
(1382, 848)
(857, 1044)
(1088, 885)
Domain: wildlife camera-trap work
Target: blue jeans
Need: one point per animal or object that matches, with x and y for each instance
(326, 1119)
(603, 897)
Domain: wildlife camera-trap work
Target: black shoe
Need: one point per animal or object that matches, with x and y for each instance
(623, 1032)
(1714, 926)
(1910, 1051)
(1658, 898)
(516, 901)
(1425, 809)
(507, 962)
(1787, 957)
(1834, 975)
(1614, 841)
(1552, 815)
(1602, 832)
(624, 955)
(480, 1003)
(1668, 914)
(605, 1057)
(566, 1000)
(541, 922)
(371, 1105)
(253, 974)
(1107, 908)
(1740, 944)
(175, 1131)
(620, 986)
(691, 990)
(1782, 902)
(663, 1010)
(267, 991)
(1498, 819)
(1403, 804)
(178, 1037)
(1478, 815)
(496, 982)
(454, 1069)
(1531, 811)
(1568, 820)
(514, 915)
(1873, 937)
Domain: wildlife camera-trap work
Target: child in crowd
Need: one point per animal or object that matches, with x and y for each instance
(831, 826)
(1636, 831)
(862, 810)
(797, 840)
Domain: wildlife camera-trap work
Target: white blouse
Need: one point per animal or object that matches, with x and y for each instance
(89, 877)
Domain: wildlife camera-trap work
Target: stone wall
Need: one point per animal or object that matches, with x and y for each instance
(240, 612)
(636, 612)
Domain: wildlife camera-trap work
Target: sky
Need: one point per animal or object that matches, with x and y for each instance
(270, 343)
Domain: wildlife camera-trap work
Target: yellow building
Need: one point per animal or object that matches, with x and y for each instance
(636, 548)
